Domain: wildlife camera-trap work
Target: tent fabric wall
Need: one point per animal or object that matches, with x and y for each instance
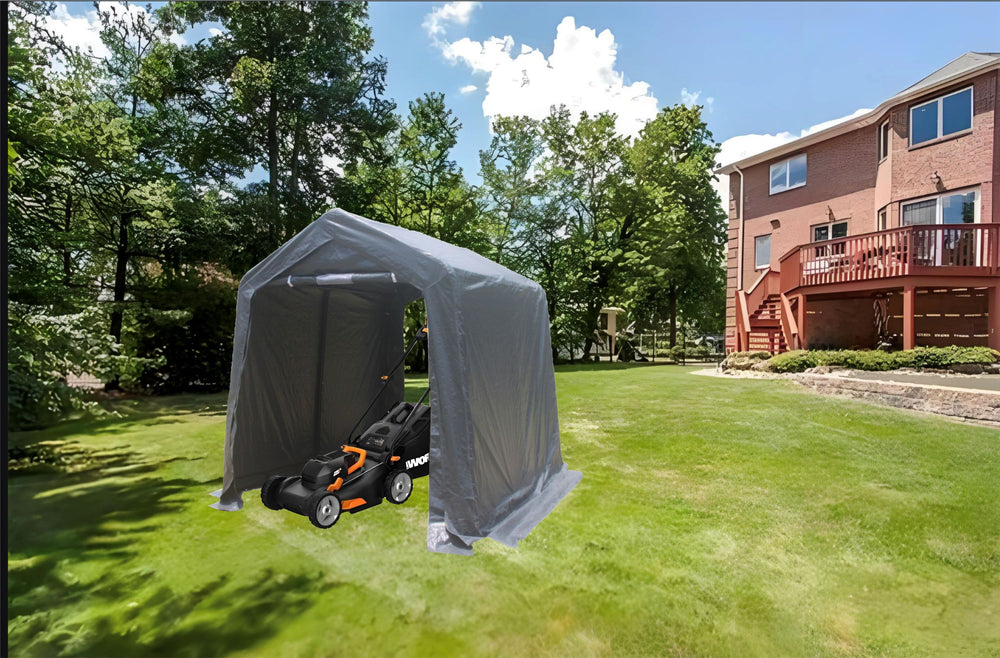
(307, 360)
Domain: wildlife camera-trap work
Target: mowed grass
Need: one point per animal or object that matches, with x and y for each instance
(715, 518)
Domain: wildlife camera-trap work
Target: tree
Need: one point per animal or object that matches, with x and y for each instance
(412, 181)
(287, 87)
(589, 171)
(676, 267)
(511, 189)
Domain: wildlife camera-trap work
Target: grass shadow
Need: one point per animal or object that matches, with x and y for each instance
(136, 613)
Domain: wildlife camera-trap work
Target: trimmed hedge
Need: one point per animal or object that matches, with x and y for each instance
(920, 357)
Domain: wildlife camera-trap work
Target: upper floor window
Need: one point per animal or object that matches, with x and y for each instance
(942, 116)
(883, 141)
(788, 174)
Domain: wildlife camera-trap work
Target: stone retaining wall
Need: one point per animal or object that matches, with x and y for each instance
(980, 406)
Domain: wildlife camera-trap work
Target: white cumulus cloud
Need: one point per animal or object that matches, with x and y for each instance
(468, 89)
(692, 98)
(737, 148)
(84, 31)
(450, 13)
(580, 73)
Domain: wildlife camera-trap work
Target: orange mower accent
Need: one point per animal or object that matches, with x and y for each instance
(361, 452)
(335, 485)
(352, 503)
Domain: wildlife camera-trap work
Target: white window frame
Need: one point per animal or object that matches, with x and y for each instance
(940, 115)
(882, 155)
(938, 216)
(830, 225)
(788, 170)
(883, 219)
(756, 266)
(938, 210)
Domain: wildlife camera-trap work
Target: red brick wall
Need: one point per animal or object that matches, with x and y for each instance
(964, 161)
(844, 181)
(732, 260)
(841, 323)
(840, 178)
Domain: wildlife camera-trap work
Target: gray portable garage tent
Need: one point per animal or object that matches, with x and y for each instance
(320, 319)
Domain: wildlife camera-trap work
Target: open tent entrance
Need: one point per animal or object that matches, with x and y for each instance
(354, 324)
(320, 320)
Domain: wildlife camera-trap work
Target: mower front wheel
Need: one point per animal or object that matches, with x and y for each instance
(324, 509)
(398, 486)
(269, 492)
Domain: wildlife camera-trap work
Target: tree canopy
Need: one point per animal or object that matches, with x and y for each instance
(143, 184)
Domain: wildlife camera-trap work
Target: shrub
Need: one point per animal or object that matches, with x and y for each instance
(189, 323)
(942, 357)
(44, 348)
(874, 360)
(796, 361)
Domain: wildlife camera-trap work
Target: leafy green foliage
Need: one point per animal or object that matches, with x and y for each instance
(44, 348)
(188, 321)
(920, 357)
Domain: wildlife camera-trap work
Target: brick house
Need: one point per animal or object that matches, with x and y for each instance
(882, 229)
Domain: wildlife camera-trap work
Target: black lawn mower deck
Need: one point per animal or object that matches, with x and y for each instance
(381, 462)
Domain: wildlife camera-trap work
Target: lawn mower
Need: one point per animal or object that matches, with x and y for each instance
(381, 462)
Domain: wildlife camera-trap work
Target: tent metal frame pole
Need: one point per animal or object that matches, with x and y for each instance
(320, 369)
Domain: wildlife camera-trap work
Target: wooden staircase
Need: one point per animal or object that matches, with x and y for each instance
(765, 327)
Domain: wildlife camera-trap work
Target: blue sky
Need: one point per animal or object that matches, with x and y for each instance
(765, 72)
(770, 68)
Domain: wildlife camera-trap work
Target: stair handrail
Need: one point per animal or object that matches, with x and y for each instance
(789, 327)
(767, 284)
(763, 275)
(742, 322)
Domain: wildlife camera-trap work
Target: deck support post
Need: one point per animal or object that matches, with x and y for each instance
(800, 319)
(993, 339)
(909, 328)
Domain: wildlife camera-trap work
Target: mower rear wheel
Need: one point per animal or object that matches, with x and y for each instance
(398, 487)
(324, 509)
(269, 492)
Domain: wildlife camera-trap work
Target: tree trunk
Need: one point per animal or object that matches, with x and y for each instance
(67, 260)
(121, 272)
(293, 178)
(272, 166)
(672, 301)
(272, 151)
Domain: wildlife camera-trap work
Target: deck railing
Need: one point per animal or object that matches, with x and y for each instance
(948, 249)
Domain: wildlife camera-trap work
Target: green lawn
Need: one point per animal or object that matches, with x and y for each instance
(715, 518)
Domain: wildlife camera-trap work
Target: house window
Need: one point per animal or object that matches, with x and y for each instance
(762, 251)
(830, 231)
(940, 117)
(883, 219)
(953, 208)
(788, 174)
(883, 141)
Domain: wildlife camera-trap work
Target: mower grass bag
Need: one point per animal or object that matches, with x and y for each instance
(381, 463)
